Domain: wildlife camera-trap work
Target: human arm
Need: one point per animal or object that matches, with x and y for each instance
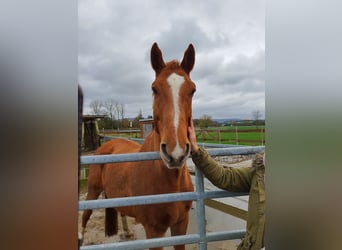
(230, 179)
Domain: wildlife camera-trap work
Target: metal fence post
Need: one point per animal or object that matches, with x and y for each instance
(200, 210)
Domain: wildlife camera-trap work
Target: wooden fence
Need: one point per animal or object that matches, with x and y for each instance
(134, 133)
(233, 134)
(206, 135)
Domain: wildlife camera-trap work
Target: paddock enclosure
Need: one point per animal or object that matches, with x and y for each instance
(150, 181)
(201, 238)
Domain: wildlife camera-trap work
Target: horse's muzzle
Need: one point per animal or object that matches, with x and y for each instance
(172, 161)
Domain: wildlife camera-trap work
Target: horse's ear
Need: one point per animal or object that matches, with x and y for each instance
(188, 59)
(157, 59)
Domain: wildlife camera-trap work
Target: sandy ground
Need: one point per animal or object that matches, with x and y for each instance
(95, 228)
(216, 221)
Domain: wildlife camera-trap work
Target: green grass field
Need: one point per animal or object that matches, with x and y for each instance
(227, 135)
(211, 135)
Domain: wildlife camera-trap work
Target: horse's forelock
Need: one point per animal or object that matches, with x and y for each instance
(173, 65)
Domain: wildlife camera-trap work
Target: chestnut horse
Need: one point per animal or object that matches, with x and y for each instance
(172, 111)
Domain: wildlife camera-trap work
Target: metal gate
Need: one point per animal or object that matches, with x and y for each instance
(201, 238)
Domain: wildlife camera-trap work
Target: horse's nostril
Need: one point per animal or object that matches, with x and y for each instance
(187, 151)
(177, 157)
(164, 151)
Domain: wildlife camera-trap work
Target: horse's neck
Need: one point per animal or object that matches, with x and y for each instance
(151, 142)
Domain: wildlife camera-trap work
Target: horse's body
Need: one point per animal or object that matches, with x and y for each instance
(173, 92)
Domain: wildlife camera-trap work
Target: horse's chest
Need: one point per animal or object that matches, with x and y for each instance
(166, 214)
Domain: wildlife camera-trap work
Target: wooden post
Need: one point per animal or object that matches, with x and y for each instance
(91, 134)
(236, 136)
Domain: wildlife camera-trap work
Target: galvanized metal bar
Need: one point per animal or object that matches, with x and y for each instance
(217, 145)
(200, 210)
(221, 193)
(148, 243)
(152, 199)
(136, 200)
(156, 156)
(226, 235)
(167, 241)
(87, 159)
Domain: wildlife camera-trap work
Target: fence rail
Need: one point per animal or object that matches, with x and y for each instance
(202, 237)
(156, 156)
(234, 135)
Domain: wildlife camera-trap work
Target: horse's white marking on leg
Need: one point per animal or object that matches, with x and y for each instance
(175, 81)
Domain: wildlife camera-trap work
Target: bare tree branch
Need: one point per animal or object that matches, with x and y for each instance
(120, 111)
(109, 106)
(96, 107)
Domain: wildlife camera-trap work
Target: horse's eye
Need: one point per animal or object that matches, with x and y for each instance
(154, 90)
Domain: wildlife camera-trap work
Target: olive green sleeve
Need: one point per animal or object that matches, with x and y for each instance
(228, 178)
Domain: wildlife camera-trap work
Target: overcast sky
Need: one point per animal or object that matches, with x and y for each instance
(115, 38)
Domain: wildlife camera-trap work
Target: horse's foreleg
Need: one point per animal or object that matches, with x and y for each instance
(127, 232)
(180, 229)
(153, 232)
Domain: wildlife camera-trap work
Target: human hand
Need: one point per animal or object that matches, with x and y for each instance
(192, 136)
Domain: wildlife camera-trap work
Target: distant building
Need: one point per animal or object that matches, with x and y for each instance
(146, 126)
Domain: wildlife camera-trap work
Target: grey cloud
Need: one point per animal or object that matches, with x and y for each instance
(182, 32)
(115, 38)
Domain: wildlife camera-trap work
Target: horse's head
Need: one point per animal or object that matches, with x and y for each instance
(172, 105)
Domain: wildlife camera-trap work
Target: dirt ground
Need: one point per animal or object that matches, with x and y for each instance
(95, 228)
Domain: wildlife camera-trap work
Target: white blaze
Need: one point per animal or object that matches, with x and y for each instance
(176, 81)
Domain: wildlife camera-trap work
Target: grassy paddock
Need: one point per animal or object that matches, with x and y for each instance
(246, 135)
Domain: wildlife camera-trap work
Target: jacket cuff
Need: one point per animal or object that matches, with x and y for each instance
(199, 153)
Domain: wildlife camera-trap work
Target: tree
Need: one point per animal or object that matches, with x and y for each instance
(96, 107)
(205, 121)
(137, 119)
(109, 106)
(120, 111)
(256, 117)
(196, 122)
